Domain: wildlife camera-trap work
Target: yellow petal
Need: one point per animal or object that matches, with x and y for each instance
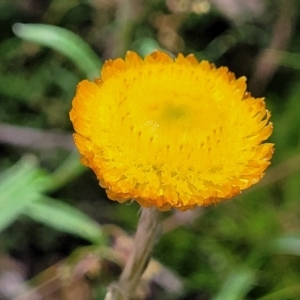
(171, 133)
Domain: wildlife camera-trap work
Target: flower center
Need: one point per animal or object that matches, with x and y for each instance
(173, 112)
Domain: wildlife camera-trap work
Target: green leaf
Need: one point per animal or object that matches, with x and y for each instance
(66, 172)
(237, 285)
(64, 41)
(287, 245)
(20, 185)
(286, 59)
(10, 210)
(16, 172)
(21, 192)
(290, 292)
(146, 46)
(66, 218)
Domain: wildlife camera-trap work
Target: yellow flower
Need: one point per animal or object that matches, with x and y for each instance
(171, 133)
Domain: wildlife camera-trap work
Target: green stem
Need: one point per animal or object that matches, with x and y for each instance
(125, 17)
(145, 238)
(66, 172)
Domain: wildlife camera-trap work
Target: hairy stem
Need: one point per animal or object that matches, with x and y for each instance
(144, 240)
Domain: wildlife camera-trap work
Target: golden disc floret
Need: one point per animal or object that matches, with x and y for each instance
(171, 133)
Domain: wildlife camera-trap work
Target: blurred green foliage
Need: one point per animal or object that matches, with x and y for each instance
(247, 248)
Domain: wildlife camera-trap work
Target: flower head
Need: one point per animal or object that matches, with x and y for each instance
(171, 133)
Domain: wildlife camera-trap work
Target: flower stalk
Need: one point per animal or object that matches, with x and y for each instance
(146, 235)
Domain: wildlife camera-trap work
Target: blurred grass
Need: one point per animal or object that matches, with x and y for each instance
(247, 248)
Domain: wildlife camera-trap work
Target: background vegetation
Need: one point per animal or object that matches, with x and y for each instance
(55, 239)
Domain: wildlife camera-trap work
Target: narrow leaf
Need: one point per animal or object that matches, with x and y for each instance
(237, 285)
(66, 218)
(19, 186)
(287, 245)
(64, 41)
(12, 208)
